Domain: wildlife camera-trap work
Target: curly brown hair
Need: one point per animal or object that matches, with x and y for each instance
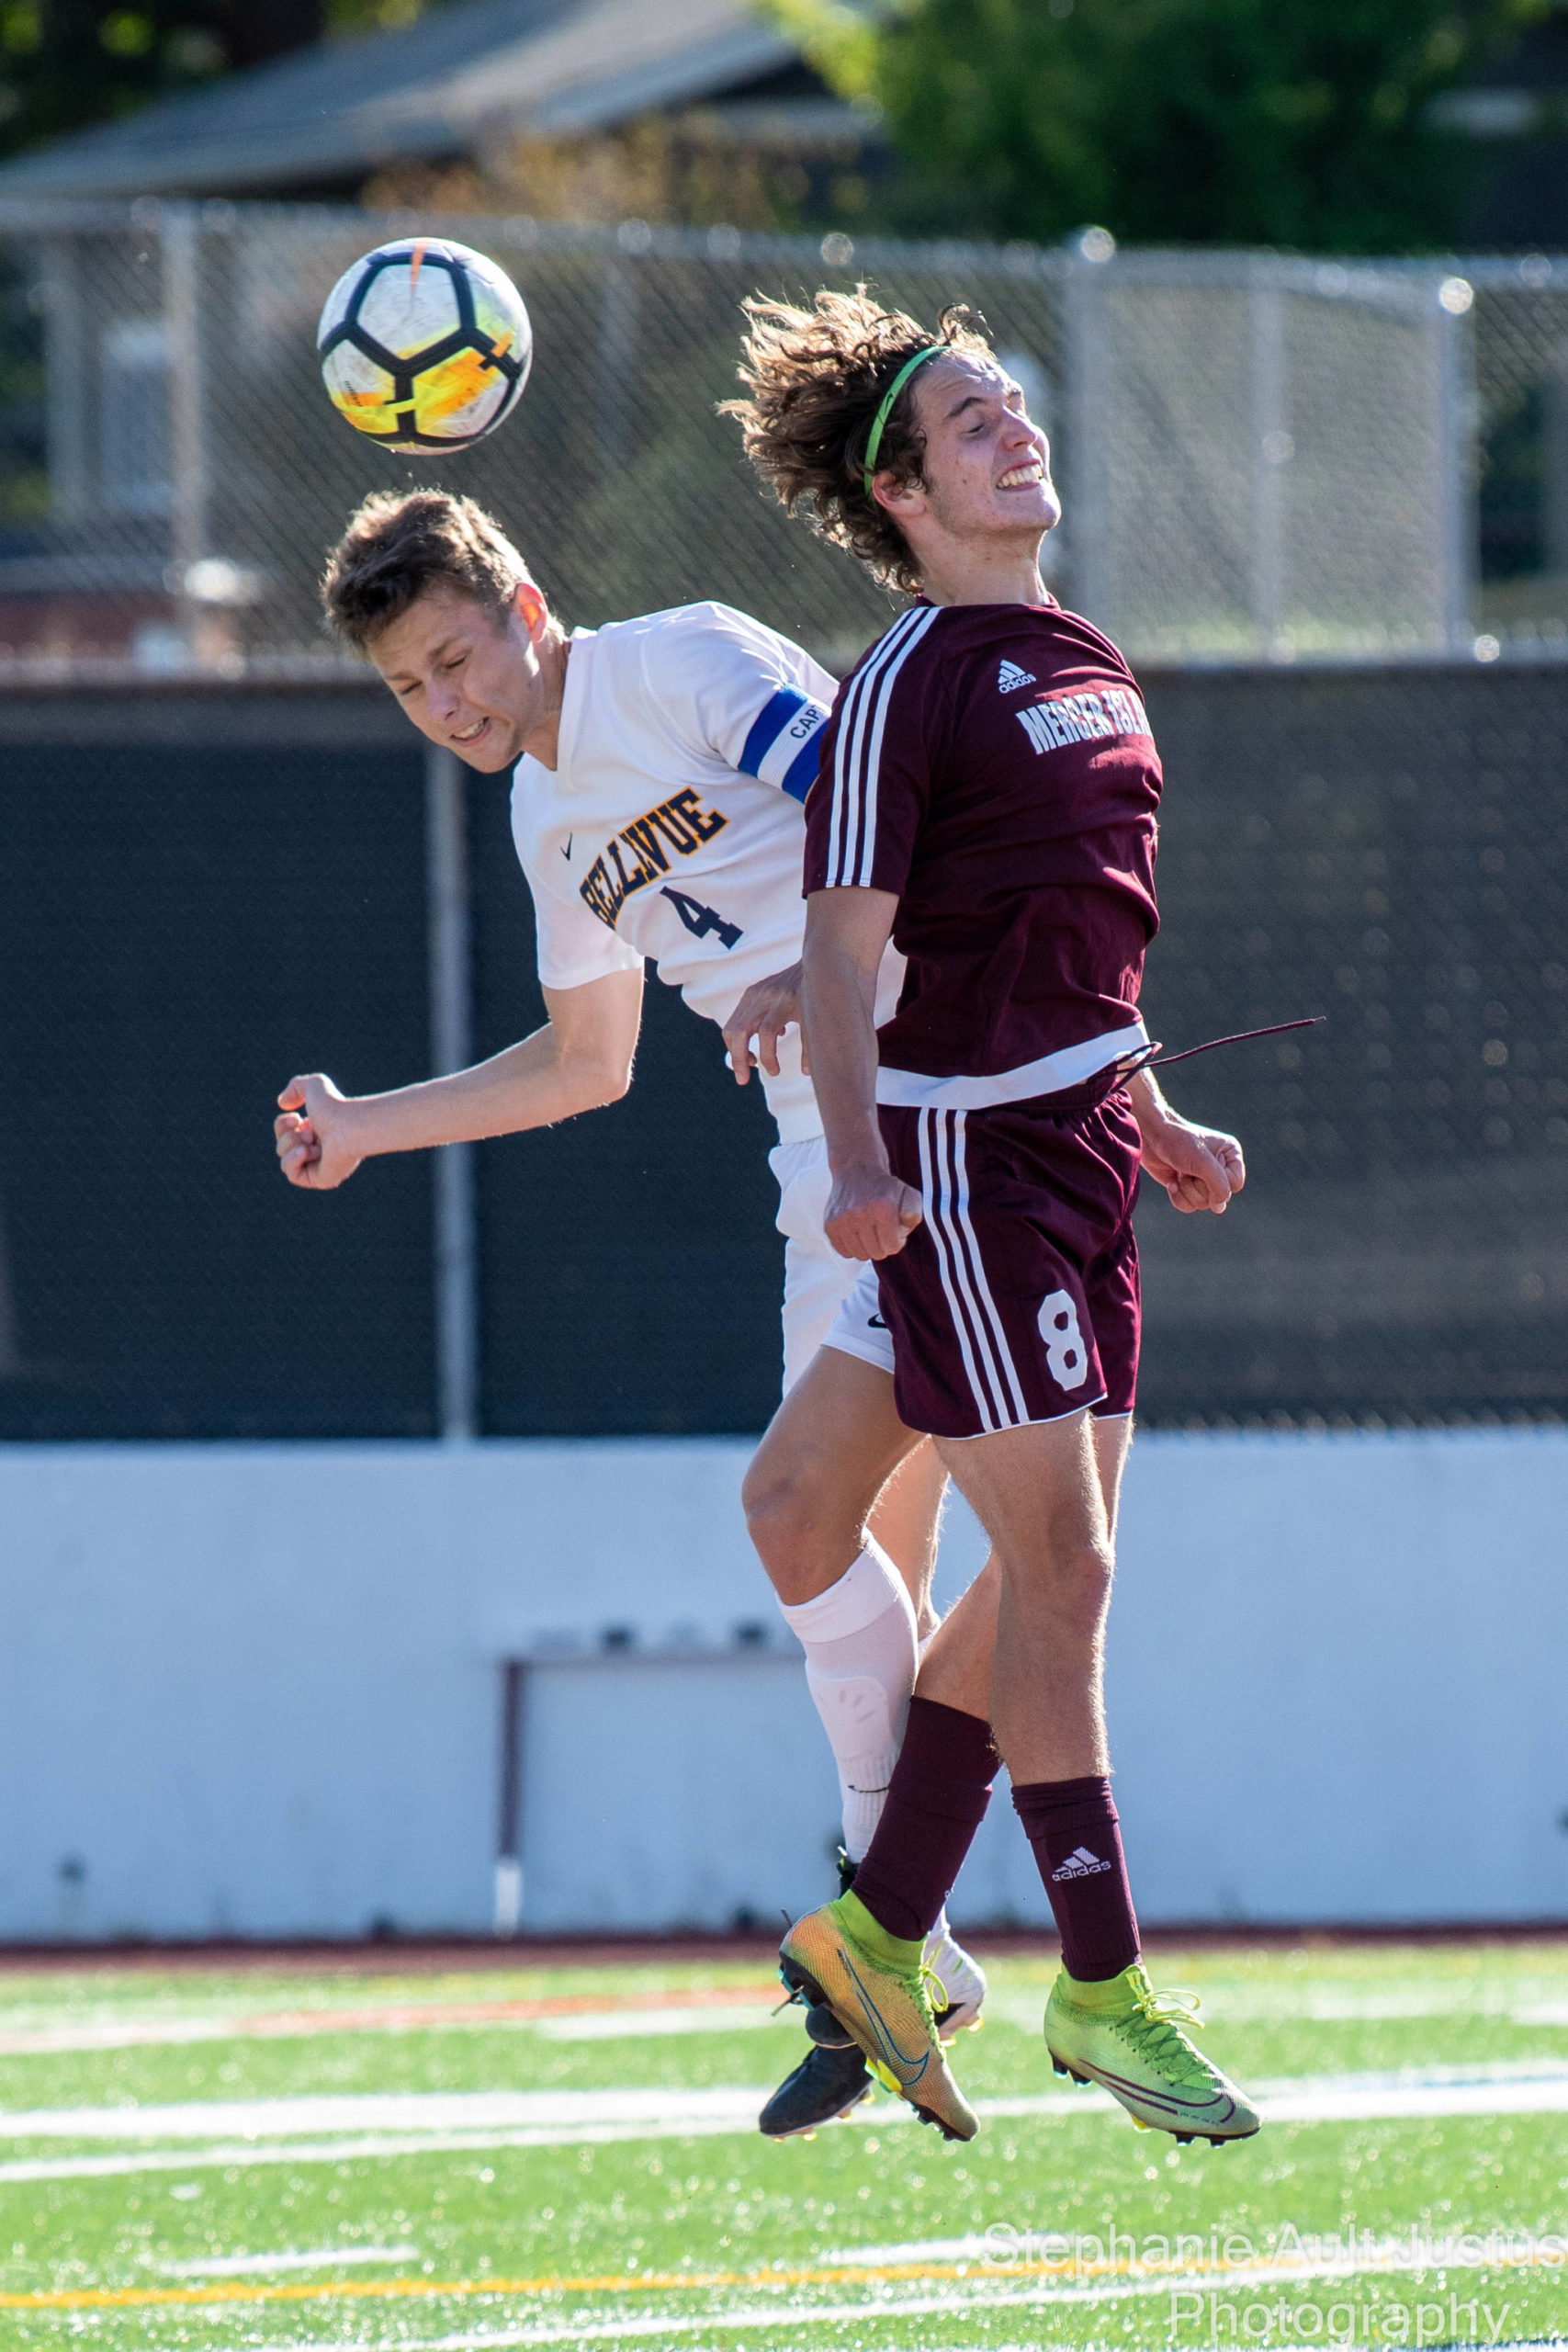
(817, 378)
(398, 545)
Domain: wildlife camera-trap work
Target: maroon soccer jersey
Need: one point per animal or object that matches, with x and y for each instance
(992, 765)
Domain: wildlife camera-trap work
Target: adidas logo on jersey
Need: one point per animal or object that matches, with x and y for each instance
(1081, 1863)
(1010, 678)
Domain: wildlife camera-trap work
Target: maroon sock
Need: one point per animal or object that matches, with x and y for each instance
(936, 1801)
(1072, 1825)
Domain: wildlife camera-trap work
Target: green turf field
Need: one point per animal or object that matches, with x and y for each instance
(518, 2155)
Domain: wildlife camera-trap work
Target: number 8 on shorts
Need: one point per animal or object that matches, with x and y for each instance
(1065, 1350)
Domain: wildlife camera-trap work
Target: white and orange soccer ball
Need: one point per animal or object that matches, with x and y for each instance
(426, 345)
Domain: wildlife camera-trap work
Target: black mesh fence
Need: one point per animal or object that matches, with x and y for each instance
(1390, 849)
(204, 891)
(630, 1269)
(205, 898)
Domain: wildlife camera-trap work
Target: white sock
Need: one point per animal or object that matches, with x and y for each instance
(860, 1644)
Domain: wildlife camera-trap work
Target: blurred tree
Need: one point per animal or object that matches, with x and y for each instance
(1301, 123)
(67, 63)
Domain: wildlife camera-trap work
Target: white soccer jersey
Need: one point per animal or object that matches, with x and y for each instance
(671, 825)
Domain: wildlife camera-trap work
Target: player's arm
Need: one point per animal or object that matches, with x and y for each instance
(581, 1058)
(1201, 1167)
(870, 1212)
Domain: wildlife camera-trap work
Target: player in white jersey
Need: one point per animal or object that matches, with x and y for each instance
(659, 768)
(670, 827)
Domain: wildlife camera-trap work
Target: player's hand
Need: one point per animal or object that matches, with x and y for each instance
(1201, 1167)
(871, 1213)
(768, 1008)
(314, 1147)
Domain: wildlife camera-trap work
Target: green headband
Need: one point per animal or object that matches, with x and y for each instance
(930, 352)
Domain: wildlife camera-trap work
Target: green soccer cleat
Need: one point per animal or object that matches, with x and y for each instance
(959, 1994)
(1128, 2038)
(876, 1985)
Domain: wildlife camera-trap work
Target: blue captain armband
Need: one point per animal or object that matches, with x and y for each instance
(781, 747)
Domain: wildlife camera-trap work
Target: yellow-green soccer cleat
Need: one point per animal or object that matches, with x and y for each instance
(1128, 2038)
(876, 1985)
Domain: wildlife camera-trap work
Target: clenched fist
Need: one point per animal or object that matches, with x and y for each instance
(313, 1134)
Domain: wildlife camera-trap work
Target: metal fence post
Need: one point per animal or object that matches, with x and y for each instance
(66, 343)
(451, 1038)
(615, 370)
(1458, 530)
(1086, 511)
(187, 441)
(508, 1904)
(11, 1340)
(1271, 453)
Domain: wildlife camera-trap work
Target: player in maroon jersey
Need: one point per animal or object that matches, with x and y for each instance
(988, 798)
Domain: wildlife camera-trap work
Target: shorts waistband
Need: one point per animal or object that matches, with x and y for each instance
(1070, 1066)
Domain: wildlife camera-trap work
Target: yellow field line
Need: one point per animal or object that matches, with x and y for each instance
(624, 2282)
(620, 2283)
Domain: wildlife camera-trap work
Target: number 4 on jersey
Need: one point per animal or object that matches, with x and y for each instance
(700, 920)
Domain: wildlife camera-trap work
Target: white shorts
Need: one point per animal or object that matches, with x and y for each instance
(829, 1301)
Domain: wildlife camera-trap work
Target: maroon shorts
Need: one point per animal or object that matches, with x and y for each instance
(1017, 1298)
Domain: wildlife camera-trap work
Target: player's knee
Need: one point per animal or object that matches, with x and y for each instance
(798, 1542)
(1085, 1573)
(778, 1515)
(1077, 1568)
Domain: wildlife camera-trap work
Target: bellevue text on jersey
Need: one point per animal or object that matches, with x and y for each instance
(682, 821)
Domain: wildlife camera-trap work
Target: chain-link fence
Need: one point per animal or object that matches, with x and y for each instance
(1262, 458)
(216, 874)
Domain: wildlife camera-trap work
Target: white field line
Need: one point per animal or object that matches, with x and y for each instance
(607, 2025)
(369, 2111)
(721, 2325)
(1542, 2082)
(627, 2025)
(1528, 2005)
(45, 2040)
(974, 2247)
(570, 2118)
(1313, 2004)
(953, 2303)
(265, 2266)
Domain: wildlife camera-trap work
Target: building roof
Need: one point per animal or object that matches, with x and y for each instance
(444, 86)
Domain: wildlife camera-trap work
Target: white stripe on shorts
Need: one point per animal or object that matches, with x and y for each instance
(943, 1259)
(960, 1145)
(983, 1342)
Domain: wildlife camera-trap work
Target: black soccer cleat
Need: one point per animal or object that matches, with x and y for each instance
(823, 2028)
(829, 2080)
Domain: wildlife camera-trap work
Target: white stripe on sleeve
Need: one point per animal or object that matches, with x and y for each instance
(844, 834)
(874, 753)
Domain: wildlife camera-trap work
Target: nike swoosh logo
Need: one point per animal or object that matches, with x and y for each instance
(567, 851)
(1154, 2098)
(876, 1323)
(894, 2056)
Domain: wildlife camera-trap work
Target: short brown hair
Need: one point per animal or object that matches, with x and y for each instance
(398, 545)
(817, 378)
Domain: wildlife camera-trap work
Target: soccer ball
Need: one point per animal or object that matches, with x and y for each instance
(426, 345)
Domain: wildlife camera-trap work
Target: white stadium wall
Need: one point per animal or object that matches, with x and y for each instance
(257, 1690)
